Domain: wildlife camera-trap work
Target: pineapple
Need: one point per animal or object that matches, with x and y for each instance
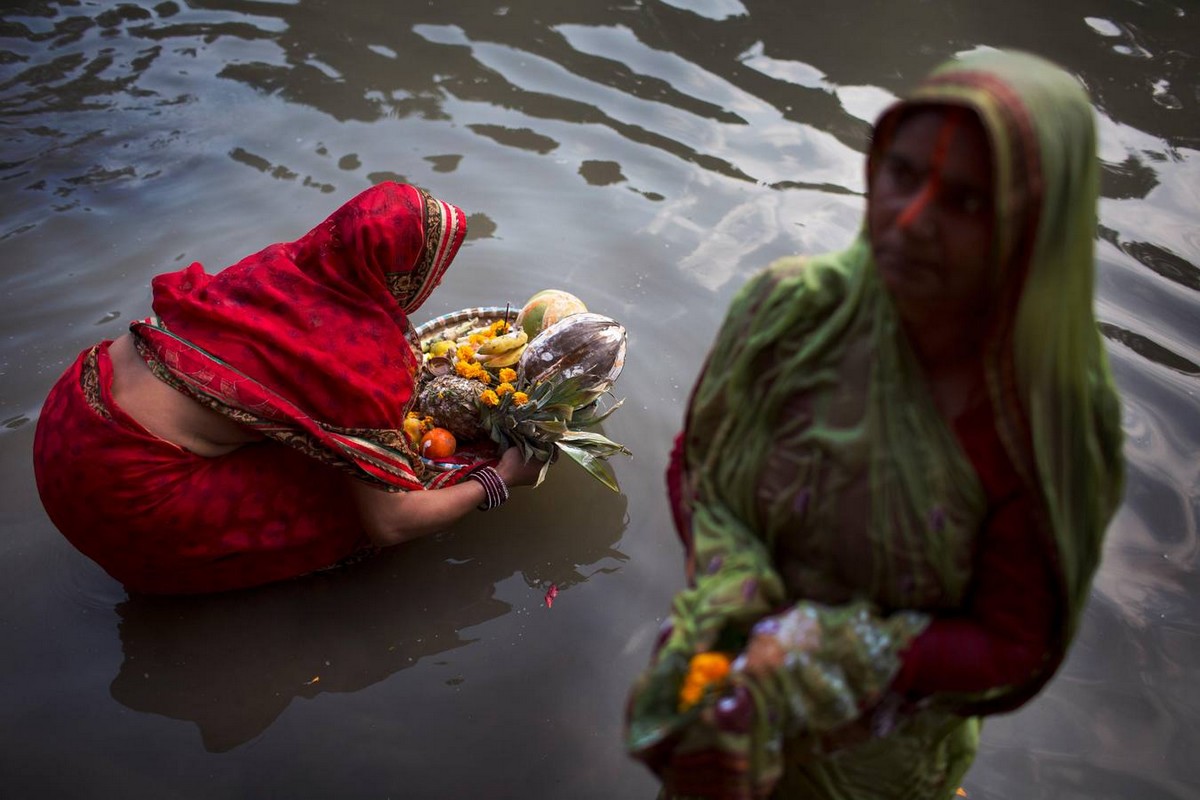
(544, 406)
(451, 401)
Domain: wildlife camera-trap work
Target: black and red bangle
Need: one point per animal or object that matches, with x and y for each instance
(494, 488)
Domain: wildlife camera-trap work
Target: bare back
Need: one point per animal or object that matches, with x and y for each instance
(167, 413)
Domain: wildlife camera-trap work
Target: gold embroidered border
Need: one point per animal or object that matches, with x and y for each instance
(89, 383)
(403, 285)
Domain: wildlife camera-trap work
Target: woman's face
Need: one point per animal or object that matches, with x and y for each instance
(930, 216)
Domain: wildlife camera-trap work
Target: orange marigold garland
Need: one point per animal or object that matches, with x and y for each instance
(706, 672)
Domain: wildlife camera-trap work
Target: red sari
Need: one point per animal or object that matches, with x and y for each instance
(306, 342)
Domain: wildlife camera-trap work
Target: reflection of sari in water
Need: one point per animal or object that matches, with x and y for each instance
(232, 663)
(892, 555)
(306, 343)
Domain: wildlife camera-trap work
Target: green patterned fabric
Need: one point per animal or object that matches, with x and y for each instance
(813, 427)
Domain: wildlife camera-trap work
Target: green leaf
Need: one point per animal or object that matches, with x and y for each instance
(552, 426)
(594, 442)
(596, 467)
(591, 418)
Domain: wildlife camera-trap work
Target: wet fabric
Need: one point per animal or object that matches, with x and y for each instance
(162, 520)
(812, 430)
(307, 343)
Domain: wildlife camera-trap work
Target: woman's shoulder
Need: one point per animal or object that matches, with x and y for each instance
(806, 284)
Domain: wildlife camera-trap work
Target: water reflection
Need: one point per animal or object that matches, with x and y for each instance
(232, 663)
(648, 154)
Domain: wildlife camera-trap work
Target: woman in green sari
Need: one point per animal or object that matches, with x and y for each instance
(898, 465)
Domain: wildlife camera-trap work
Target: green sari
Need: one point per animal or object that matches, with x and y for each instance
(812, 424)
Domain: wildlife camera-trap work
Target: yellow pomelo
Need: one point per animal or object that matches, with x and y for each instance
(546, 308)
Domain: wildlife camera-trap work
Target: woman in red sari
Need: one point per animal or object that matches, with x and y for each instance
(250, 430)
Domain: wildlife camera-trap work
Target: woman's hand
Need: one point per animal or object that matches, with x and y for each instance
(515, 471)
(773, 637)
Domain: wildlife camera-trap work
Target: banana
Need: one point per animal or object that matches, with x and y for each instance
(505, 359)
(503, 344)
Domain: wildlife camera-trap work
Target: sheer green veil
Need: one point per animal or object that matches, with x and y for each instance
(811, 420)
(1060, 413)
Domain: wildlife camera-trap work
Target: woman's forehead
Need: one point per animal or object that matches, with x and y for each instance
(966, 154)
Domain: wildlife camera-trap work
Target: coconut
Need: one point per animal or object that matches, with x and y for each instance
(546, 308)
(587, 346)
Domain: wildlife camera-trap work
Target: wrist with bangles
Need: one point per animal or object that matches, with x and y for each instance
(494, 487)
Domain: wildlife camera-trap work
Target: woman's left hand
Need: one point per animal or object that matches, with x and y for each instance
(516, 471)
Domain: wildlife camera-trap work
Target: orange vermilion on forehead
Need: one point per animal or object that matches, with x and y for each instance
(933, 184)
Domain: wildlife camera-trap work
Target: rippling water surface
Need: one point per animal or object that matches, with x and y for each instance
(647, 155)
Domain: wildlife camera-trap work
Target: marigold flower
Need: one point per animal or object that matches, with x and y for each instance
(465, 353)
(705, 671)
(482, 376)
(690, 694)
(470, 369)
(520, 398)
(504, 388)
(477, 339)
(508, 375)
(498, 327)
(489, 398)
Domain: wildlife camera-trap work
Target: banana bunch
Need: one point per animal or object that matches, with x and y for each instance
(494, 345)
(502, 351)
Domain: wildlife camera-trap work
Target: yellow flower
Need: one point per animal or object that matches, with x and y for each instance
(470, 369)
(520, 398)
(489, 398)
(465, 353)
(504, 388)
(508, 375)
(705, 671)
(498, 328)
(482, 376)
(477, 339)
(689, 695)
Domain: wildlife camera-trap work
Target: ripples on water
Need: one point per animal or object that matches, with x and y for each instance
(647, 155)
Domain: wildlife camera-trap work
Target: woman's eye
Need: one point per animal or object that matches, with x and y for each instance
(902, 174)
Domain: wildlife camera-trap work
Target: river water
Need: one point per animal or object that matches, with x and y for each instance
(647, 155)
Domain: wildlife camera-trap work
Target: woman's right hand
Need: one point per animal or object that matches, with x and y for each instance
(515, 471)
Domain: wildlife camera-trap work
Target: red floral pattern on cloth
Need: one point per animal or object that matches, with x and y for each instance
(307, 342)
(160, 519)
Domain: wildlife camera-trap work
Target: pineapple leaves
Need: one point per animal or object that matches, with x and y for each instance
(595, 465)
(550, 402)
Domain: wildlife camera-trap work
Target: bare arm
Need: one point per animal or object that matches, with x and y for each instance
(393, 517)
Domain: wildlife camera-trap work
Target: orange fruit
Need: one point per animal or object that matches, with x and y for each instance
(438, 443)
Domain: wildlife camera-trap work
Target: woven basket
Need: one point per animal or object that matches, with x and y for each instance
(431, 331)
(434, 328)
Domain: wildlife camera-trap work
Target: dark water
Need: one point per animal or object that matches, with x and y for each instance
(643, 155)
